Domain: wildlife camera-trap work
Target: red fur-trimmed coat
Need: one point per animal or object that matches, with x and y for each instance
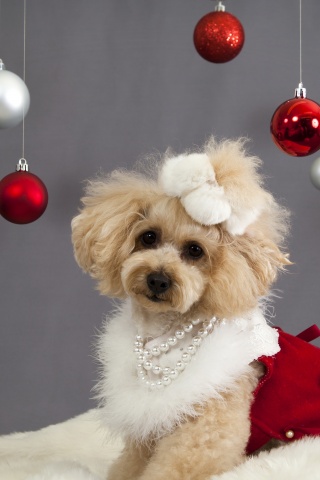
(287, 400)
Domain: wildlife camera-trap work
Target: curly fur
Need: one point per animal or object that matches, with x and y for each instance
(237, 268)
(221, 360)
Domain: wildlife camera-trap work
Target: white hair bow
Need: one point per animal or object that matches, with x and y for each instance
(192, 179)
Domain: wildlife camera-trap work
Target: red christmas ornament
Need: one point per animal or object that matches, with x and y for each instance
(23, 196)
(295, 125)
(218, 36)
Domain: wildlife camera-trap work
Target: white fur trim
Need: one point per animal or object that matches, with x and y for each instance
(131, 409)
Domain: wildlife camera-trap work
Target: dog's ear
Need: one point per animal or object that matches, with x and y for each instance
(101, 233)
(256, 215)
(253, 238)
(248, 266)
(237, 172)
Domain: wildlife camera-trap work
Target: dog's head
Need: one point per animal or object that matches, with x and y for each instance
(205, 237)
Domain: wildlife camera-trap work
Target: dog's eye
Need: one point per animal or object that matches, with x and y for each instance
(195, 251)
(148, 238)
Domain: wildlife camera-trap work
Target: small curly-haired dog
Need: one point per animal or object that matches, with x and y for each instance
(192, 253)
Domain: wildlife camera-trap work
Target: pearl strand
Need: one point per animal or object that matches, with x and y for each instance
(166, 375)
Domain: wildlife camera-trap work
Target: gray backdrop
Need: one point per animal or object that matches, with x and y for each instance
(110, 81)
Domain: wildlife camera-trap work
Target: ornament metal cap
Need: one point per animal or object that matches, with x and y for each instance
(300, 92)
(22, 165)
(220, 7)
(2, 65)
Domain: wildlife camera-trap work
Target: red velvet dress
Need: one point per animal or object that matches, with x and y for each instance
(287, 399)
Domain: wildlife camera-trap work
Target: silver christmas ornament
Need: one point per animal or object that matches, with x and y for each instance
(14, 98)
(315, 173)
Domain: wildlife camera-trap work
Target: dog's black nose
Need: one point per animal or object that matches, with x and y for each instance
(158, 282)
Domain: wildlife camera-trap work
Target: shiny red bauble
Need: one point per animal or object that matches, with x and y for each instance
(295, 127)
(218, 37)
(23, 197)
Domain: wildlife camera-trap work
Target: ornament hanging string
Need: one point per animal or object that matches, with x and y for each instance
(300, 90)
(300, 16)
(24, 65)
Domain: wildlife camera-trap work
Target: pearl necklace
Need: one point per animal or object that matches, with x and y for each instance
(165, 376)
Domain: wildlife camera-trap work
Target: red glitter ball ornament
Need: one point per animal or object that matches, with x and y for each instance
(23, 196)
(295, 125)
(218, 36)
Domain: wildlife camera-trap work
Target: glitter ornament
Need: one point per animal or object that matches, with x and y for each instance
(295, 125)
(218, 36)
(23, 196)
(14, 98)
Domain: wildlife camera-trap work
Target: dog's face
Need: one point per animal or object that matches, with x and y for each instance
(138, 242)
(171, 258)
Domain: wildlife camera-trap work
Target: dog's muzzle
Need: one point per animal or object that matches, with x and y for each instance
(158, 282)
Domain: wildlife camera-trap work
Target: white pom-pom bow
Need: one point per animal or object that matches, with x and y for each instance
(192, 179)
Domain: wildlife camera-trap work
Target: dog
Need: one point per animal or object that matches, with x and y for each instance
(191, 250)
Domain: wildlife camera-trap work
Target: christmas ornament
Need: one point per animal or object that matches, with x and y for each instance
(315, 173)
(295, 125)
(218, 36)
(14, 98)
(23, 196)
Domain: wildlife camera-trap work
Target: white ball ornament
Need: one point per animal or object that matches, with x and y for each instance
(315, 173)
(14, 98)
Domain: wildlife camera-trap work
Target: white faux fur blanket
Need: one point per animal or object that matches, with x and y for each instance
(79, 449)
